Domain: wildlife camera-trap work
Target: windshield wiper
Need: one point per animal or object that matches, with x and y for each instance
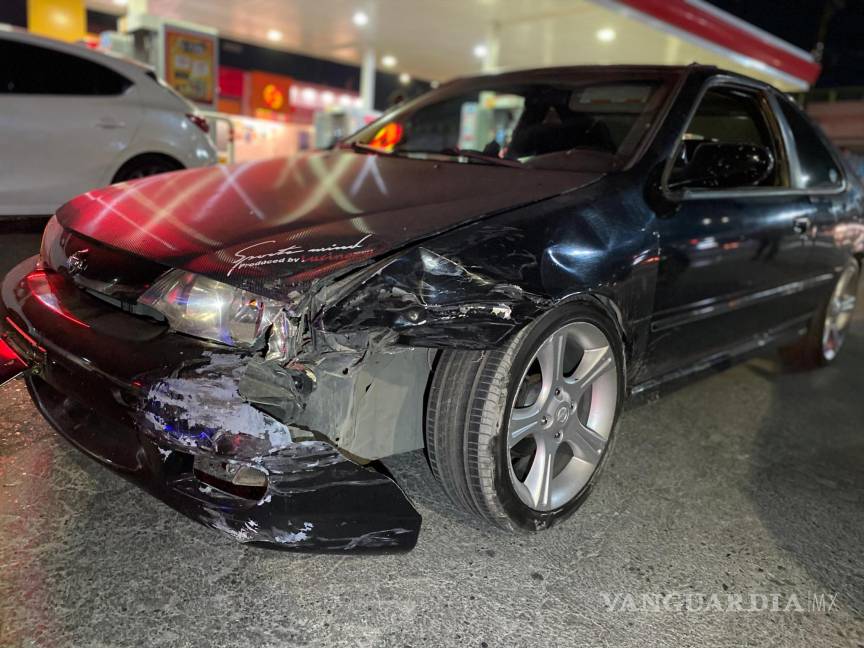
(477, 155)
(360, 147)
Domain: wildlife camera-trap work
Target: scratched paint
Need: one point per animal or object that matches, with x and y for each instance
(204, 407)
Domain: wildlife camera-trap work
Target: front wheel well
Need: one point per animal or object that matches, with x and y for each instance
(143, 159)
(472, 393)
(613, 312)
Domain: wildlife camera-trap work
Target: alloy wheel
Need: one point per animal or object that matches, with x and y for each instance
(562, 416)
(839, 313)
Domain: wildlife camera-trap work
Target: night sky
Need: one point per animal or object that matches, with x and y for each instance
(797, 21)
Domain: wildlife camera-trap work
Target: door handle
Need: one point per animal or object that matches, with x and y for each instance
(109, 124)
(801, 225)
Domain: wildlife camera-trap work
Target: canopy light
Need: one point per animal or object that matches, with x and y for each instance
(606, 35)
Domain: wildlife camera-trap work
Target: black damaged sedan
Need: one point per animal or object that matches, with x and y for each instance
(487, 272)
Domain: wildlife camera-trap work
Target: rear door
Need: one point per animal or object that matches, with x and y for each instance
(734, 260)
(66, 122)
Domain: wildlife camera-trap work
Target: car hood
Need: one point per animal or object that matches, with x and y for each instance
(286, 221)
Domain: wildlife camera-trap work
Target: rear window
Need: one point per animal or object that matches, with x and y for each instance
(30, 69)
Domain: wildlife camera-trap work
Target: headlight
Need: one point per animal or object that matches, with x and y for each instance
(206, 308)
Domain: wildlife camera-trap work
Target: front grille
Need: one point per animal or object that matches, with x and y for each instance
(126, 305)
(112, 276)
(101, 269)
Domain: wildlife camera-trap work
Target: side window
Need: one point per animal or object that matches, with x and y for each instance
(818, 168)
(28, 69)
(729, 144)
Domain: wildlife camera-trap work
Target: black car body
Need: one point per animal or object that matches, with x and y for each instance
(379, 262)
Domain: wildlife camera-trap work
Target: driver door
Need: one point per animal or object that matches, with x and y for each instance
(731, 257)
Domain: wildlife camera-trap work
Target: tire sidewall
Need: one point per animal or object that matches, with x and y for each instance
(819, 329)
(529, 341)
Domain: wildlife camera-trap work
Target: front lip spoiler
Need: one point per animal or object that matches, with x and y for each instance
(320, 501)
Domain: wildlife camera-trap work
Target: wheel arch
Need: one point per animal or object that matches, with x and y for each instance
(606, 304)
(612, 310)
(139, 157)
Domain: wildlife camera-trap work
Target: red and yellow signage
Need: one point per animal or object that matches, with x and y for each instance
(273, 97)
(269, 93)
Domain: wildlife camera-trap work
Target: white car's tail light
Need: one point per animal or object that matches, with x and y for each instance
(199, 121)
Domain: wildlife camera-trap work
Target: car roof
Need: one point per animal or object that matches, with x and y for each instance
(604, 70)
(570, 70)
(117, 63)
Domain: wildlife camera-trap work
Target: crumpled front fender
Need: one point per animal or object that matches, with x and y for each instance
(430, 300)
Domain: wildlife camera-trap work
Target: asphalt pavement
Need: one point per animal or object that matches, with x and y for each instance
(730, 514)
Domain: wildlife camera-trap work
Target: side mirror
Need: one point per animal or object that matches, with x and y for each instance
(716, 165)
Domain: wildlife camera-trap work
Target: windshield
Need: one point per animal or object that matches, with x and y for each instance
(589, 124)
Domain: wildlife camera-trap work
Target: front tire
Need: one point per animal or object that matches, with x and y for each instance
(517, 435)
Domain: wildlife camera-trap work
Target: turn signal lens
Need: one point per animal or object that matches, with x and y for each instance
(199, 121)
(39, 284)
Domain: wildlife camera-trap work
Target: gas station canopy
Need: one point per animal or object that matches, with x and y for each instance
(446, 38)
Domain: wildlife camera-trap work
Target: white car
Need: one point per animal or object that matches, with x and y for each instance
(72, 119)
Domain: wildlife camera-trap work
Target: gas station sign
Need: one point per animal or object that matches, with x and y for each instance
(190, 63)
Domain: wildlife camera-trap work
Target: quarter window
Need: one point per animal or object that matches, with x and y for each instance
(818, 168)
(28, 69)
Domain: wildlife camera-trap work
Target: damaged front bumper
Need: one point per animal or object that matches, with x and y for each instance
(164, 411)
